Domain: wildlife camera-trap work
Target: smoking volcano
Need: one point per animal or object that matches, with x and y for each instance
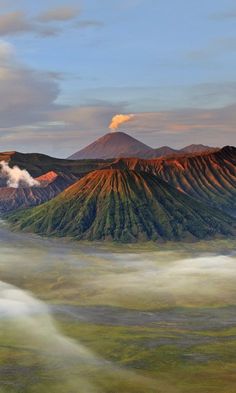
(124, 205)
(18, 189)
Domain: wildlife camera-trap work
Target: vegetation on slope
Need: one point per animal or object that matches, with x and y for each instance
(210, 178)
(124, 206)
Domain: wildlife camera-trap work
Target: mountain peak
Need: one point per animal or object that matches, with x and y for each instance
(198, 148)
(121, 145)
(114, 145)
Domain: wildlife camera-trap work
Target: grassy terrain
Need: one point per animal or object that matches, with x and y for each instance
(187, 367)
(145, 360)
(171, 356)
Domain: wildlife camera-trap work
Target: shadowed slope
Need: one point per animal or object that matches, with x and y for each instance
(211, 178)
(51, 184)
(125, 206)
(38, 164)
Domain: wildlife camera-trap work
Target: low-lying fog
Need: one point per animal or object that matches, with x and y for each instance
(84, 274)
(42, 277)
(31, 325)
(26, 325)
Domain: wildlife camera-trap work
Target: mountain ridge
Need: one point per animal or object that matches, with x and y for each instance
(208, 177)
(113, 145)
(120, 144)
(124, 205)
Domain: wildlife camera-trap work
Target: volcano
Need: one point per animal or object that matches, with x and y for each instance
(127, 206)
(116, 144)
(120, 144)
(208, 177)
(50, 185)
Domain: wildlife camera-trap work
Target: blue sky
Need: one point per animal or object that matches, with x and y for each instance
(67, 67)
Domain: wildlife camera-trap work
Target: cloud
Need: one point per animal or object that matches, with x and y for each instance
(159, 98)
(91, 117)
(83, 24)
(26, 95)
(214, 48)
(32, 118)
(49, 23)
(68, 362)
(6, 51)
(224, 15)
(205, 280)
(73, 128)
(187, 120)
(30, 320)
(59, 14)
(14, 23)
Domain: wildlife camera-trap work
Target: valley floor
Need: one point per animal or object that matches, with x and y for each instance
(91, 318)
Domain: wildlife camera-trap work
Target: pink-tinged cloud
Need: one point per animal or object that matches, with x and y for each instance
(13, 23)
(186, 120)
(59, 14)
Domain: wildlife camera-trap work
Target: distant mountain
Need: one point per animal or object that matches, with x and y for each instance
(192, 149)
(116, 144)
(124, 206)
(208, 177)
(164, 151)
(119, 144)
(38, 164)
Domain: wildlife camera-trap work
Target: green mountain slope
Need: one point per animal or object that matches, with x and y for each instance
(124, 206)
(210, 178)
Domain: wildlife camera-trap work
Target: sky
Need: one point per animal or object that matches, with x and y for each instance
(68, 67)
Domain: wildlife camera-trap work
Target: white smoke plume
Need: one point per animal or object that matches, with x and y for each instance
(17, 177)
(118, 120)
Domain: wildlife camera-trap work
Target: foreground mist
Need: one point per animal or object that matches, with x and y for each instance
(72, 367)
(115, 319)
(31, 325)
